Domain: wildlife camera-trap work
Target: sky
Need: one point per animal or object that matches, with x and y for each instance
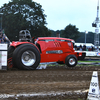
(60, 13)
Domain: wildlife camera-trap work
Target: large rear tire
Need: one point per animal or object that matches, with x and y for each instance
(71, 61)
(26, 57)
(10, 51)
(9, 58)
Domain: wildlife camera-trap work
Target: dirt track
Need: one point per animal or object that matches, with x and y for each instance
(56, 82)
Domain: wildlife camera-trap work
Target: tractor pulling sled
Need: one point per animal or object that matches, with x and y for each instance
(27, 54)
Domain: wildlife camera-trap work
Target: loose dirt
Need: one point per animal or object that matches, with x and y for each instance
(53, 83)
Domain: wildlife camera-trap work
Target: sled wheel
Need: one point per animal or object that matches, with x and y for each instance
(26, 56)
(71, 61)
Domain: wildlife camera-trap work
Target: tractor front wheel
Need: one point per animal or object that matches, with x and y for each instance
(71, 61)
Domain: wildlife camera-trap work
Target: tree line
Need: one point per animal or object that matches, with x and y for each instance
(26, 14)
(80, 38)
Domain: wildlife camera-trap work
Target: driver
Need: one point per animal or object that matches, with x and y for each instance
(3, 38)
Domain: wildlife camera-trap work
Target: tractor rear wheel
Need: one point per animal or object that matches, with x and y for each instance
(26, 56)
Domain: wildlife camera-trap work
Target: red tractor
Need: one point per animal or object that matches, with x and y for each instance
(25, 54)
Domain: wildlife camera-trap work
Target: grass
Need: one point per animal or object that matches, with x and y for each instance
(90, 61)
(87, 61)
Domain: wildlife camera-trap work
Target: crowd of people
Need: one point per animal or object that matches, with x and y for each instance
(84, 48)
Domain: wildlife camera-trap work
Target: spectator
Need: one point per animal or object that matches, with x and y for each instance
(97, 49)
(92, 48)
(75, 47)
(80, 47)
(89, 49)
(84, 48)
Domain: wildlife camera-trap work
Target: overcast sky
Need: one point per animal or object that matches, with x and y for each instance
(61, 13)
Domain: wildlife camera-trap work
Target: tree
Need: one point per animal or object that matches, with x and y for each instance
(81, 38)
(71, 31)
(89, 37)
(23, 14)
